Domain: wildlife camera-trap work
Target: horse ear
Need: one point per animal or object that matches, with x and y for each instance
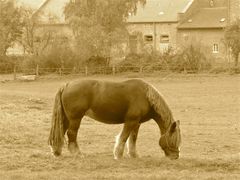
(173, 127)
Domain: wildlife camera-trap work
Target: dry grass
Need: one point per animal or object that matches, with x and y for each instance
(207, 106)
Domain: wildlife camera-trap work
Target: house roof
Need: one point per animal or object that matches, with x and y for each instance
(31, 4)
(206, 18)
(43, 4)
(159, 11)
(51, 8)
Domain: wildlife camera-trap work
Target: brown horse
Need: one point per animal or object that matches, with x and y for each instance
(130, 103)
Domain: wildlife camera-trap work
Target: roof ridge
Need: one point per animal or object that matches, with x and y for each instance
(187, 6)
(222, 7)
(41, 6)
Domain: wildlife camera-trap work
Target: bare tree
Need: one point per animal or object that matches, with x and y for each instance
(232, 39)
(10, 25)
(35, 38)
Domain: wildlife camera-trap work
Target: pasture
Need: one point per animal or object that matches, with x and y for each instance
(208, 107)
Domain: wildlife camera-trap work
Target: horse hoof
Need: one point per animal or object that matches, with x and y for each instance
(118, 157)
(80, 155)
(133, 156)
(56, 154)
(73, 149)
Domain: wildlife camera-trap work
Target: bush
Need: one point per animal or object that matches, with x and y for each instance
(191, 59)
(131, 62)
(97, 61)
(154, 61)
(7, 63)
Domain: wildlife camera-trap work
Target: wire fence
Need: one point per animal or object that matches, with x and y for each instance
(16, 71)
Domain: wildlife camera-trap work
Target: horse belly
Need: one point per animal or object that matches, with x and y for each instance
(105, 116)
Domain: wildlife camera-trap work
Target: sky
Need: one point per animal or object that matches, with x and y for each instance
(31, 3)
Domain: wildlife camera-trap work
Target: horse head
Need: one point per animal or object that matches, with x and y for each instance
(171, 140)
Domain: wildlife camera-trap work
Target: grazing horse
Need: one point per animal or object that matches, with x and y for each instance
(130, 103)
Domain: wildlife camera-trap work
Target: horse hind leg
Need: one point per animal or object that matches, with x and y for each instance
(131, 143)
(72, 135)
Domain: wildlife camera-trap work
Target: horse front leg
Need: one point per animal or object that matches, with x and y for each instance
(121, 140)
(72, 136)
(131, 142)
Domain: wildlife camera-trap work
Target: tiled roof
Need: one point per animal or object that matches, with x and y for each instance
(206, 18)
(159, 11)
(54, 8)
(30, 4)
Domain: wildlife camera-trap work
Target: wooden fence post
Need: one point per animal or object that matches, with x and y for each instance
(114, 70)
(86, 70)
(74, 70)
(141, 69)
(60, 71)
(37, 70)
(14, 72)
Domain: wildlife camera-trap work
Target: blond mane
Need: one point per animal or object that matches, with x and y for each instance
(160, 106)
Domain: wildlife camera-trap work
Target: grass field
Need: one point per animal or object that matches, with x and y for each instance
(207, 106)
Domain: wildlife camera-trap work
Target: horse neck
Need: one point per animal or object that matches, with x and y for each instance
(163, 123)
(164, 116)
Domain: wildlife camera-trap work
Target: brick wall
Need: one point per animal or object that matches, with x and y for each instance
(234, 9)
(156, 30)
(206, 39)
(217, 3)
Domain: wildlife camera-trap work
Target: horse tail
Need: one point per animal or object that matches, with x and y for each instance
(58, 125)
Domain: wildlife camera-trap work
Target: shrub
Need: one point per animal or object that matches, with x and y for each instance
(96, 61)
(190, 59)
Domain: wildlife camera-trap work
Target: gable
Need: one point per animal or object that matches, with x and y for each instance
(159, 11)
(206, 18)
(51, 12)
(30, 4)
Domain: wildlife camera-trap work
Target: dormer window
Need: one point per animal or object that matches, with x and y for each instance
(211, 3)
(161, 13)
(222, 20)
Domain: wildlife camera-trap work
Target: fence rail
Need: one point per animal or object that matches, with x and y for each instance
(38, 71)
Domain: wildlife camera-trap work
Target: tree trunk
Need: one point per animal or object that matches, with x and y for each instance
(236, 60)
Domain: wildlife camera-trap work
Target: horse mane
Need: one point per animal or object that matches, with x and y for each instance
(160, 106)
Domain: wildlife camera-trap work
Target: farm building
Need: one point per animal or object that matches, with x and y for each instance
(161, 24)
(156, 23)
(204, 23)
(165, 24)
(50, 15)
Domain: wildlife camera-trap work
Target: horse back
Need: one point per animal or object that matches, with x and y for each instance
(108, 102)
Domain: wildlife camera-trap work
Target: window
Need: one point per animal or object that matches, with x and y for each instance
(148, 38)
(164, 38)
(37, 39)
(215, 48)
(185, 36)
(211, 3)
